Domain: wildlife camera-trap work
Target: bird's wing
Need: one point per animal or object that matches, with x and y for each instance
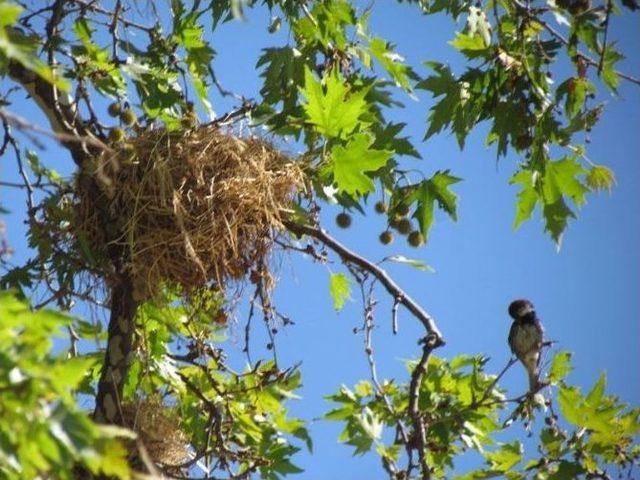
(540, 331)
(539, 327)
(512, 333)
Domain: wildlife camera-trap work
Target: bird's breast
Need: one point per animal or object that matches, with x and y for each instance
(527, 337)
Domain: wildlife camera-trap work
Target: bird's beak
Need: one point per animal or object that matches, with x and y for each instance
(524, 311)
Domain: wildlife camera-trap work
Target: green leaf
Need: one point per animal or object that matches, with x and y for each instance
(387, 139)
(600, 178)
(508, 456)
(556, 216)
(443, 83)
(283, 72)
(351, 162)
(189, 34)
(575, 91)
(21, 48)
(436, 189)
(339, 413)
(472, 46)
(609, 75)
(340, 289)
(334, 111)
(527, 197)
(551, 441)
(411, 262)
(47, 431)
(9, 14)
(594, 397)
(570, 401)
(392, 63)
(72, 371)
(559, 179)
(95, 62)
(391, 452)
(560, 367)
(567, 471)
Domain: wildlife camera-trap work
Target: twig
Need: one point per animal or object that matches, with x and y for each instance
(604, 36)
(22, 124)
(240, 112)
(90, 5)
(369, 304)
(419, 430)
(394, 315)
(586, 58)
(353, 258)
(113, 30)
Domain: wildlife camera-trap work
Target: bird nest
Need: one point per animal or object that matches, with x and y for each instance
(190, 208)
(158, 427)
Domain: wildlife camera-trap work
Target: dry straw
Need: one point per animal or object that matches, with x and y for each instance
(158, 427)
(192, 208)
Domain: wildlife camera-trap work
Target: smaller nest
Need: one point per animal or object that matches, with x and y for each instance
(158, 427)
(190, 208)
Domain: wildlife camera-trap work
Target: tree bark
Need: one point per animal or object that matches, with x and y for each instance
(118, 355)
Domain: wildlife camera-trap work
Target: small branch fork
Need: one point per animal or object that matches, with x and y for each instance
(363, 270)
(401, 429)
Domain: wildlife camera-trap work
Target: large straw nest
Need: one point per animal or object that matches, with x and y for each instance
(190, 208)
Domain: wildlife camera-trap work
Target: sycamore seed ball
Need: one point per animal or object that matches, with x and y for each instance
(128, 117)
(402, 209)
(578, 7)
(415, 238)
(386, 237)
(343, 220)
(380, 207)
(114, 109)
(394, 221)
(116, 134)
(404, 226)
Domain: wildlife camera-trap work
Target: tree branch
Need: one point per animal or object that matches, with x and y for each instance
(394, 290)
(59, 111)
(22, 124)
(419, 430)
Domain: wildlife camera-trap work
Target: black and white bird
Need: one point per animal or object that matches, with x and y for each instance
(526, 339)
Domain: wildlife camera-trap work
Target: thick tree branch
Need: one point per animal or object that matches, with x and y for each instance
(353, 258)
(60, 112)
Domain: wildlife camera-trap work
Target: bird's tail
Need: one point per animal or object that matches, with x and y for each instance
(534, 378)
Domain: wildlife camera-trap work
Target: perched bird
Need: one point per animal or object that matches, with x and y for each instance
(526, 338)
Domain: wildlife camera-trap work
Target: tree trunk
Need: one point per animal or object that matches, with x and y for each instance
(118, 355)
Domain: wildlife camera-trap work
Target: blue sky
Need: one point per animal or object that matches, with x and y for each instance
(586, 294)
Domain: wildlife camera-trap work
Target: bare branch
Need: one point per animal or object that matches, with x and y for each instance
(353, 258)
(22, 124)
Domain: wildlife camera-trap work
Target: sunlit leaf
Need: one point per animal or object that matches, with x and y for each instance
(340, 289)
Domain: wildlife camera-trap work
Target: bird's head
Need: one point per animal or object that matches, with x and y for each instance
(520, 309)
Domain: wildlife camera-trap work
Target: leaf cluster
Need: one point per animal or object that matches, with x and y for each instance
(42, 428)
